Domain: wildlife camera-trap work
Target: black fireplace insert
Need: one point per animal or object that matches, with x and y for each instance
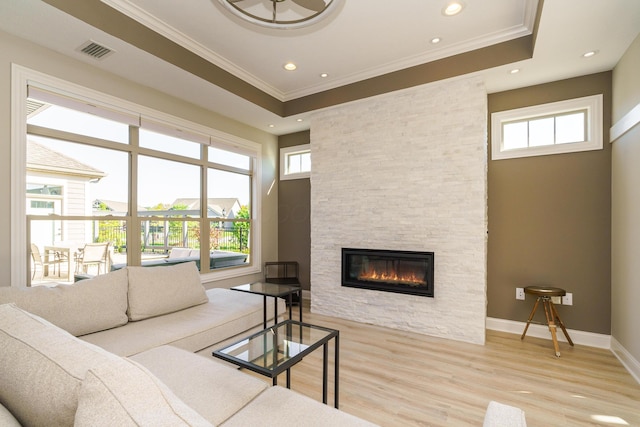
(404, 272)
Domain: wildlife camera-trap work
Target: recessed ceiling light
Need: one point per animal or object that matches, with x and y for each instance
(323, 75)
(299, 120)
(453, 8)
(272, 125)
(436, 40)
(589, 54)
(290, 66)
(514, 71)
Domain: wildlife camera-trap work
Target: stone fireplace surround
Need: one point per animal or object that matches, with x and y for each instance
(404, 171)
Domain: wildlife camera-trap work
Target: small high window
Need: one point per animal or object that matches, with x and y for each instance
(295, 162)
(558, 127)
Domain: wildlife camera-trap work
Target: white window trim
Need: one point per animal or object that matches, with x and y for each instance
(287, 151)
(593, 105)
(21, 77)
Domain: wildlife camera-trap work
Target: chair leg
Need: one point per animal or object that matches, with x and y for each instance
(557, 317)
(535, 307)
(548, 312)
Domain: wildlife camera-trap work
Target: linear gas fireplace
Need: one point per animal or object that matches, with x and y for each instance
(390, 271)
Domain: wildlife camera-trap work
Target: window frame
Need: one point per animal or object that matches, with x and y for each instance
(287, 152)
(594, 138)
(22, 78)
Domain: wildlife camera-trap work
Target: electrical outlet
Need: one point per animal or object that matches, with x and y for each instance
(567, 299)
(519, 293)
(556, 300)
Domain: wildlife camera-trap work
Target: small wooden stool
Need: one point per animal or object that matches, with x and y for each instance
(544, 294)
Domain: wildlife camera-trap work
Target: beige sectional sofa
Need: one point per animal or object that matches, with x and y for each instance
(133, 347)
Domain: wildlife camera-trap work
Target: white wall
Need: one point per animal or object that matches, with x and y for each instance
(625, 212)
(405, 171)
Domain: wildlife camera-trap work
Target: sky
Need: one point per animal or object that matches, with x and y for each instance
(160, 181)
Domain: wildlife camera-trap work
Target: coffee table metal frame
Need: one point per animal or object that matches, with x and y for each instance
(281, 337)
(275, 290)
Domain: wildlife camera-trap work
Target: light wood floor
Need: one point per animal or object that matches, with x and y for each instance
(396, 378)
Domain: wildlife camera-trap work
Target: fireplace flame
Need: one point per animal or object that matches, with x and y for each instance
(371, 274)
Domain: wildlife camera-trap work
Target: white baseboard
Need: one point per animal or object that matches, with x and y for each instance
(628, 361)
(542, 331)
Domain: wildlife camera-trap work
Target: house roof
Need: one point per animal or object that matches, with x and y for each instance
(44, 159)
(115, 206)
(219, 205)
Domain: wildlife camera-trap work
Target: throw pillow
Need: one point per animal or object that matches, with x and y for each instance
(126, 394)
(160, 290)
(82, 308)
(42, 368)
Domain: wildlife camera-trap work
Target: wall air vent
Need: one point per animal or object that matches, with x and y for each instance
(95, 50)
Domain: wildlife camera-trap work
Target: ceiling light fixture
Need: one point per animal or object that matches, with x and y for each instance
(290, 66)
(281, 14)
(324, 75)
(453, 8)
(514, 71)
(589, 54)
(436, 40)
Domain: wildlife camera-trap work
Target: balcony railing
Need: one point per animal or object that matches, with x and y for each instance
(158, 239)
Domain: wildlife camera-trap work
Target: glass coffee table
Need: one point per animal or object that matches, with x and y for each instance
(276, 349)
(275, 290)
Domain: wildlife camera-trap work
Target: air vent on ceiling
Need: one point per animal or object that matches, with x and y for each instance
(95, 50)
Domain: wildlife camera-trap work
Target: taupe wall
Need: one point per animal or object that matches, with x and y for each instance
(550, 218)
(294, 210)
(625, 275)
(21, 52)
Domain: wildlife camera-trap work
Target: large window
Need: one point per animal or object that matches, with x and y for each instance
(559, 127)
(106, 189)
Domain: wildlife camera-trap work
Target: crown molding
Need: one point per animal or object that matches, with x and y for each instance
(390, 67)
(150, 21)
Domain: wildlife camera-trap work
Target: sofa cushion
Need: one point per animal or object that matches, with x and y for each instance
(123, 393)
(160, 290)
(227, 314)
(179, 252)
(84, 307)
(293, 410)
(42, 368)
(7, 419)
(213, 389)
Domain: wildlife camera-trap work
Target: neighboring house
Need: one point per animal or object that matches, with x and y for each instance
(220, 207)
(112, 207)
(57, 184)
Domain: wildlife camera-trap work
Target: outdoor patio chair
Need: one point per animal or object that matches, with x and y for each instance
(39, 261)
(93, 254)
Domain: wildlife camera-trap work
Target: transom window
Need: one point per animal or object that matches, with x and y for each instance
(559, 127)
(295, 162)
